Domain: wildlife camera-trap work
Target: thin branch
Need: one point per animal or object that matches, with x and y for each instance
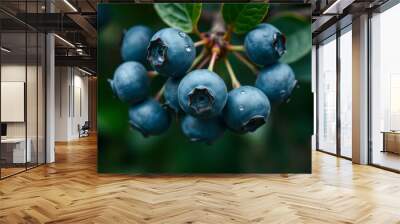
(204, 62)
(235, 47)
(152, 74)
(218, 25)
(198, 59)
(246, 61)
(234, 80)
(160, 93)
(215, 52)
(200, 43)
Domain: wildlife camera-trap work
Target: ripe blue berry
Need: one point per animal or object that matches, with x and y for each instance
(276, 81)
(265, 44)
(246, 110)
(197, 129)
(202, 93)
(130, 83)
(149, 117)
(171, 52)
(135, 42)
(171, 94)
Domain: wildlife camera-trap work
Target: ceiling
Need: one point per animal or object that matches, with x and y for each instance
(74, 21)
(332, 15)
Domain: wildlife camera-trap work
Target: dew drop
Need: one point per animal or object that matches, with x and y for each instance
(242, 92)
(160, 59)
(241, 108)
(181, 34)
(188, 49)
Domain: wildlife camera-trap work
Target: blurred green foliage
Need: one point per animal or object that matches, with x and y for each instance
(283, 145)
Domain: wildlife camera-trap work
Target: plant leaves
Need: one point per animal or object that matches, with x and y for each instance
(298, 36)
(183, 16)
(302, 68)
(244, 17)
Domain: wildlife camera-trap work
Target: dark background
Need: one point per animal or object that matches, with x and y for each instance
(283, 145)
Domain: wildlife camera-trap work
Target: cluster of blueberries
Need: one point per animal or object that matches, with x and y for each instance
(200, 96)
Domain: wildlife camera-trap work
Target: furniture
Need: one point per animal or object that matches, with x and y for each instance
(84, 130)
(13, 150)
(391, 141)
(3, 130)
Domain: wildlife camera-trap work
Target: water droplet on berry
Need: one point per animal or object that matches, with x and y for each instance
(188, 49)
(241, 108)
(242, 92)
(182, 34)
(160, 59)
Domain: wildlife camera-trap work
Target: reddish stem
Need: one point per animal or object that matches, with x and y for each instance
(215, 51)
(204, 62)
(160, 93)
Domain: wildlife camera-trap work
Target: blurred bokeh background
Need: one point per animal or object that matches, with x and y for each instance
(283, 145)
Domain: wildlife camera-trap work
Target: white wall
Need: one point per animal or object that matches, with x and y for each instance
(33, 126)
(80, 102)
(71, 102)
(61, 103)
(16, 73)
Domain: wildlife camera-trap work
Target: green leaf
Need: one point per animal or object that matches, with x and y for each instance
(298, 36)
(302, 68)
(244, 17)
(183, 16)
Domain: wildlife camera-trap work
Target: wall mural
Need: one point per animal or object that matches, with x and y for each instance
(204, 88)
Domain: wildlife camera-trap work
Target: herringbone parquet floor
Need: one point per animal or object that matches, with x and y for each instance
(70, 191)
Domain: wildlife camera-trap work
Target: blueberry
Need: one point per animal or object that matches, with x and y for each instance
(202, 93)
(135, 42)
(276, 81)
(149, 117)
(246, 110)
(171, 52)
(265, 44)
(171, 94)
(131, 83)
(197, 129)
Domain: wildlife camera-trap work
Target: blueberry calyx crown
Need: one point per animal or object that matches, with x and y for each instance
(201, 100)
(157, 52)
(279, 43)
(253, 123)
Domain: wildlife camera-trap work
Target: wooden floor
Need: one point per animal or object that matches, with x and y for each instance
(5, 172)
(70, 191)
